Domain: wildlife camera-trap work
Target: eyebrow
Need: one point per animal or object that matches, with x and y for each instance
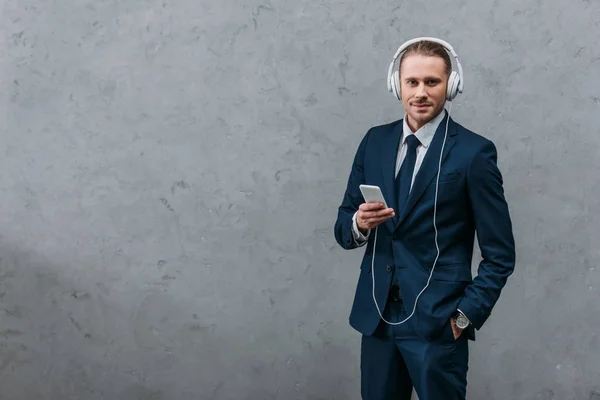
(427, 78)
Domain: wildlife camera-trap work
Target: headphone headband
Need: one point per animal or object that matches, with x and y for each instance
(429, 39)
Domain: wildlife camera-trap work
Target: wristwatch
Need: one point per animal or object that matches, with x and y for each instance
(461, 320)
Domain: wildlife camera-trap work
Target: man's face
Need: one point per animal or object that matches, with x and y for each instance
(423, 82)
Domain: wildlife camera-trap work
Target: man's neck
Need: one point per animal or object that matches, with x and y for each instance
(414, 125)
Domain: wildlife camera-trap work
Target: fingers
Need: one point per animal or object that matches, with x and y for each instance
(368, 211)
(371, 206)
(380, 218)
(372, 214)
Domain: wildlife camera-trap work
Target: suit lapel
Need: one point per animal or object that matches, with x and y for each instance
(389, 153)
(429, 167)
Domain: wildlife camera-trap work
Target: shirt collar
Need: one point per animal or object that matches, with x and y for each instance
(426, 132)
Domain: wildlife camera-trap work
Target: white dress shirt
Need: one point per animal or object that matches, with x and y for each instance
(425, 135)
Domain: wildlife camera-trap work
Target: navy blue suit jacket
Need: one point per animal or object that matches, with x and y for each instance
(470, 199)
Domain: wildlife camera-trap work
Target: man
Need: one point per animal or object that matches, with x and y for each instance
(425, 349)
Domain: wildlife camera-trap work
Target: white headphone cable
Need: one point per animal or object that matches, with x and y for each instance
(436, 238)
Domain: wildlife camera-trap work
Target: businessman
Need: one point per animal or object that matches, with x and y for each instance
(443, 187)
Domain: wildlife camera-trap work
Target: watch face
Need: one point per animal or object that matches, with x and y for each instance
(462, 322)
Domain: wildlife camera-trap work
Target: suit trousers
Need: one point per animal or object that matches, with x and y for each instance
(394, 360)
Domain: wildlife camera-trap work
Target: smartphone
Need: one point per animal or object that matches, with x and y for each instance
(372, 194)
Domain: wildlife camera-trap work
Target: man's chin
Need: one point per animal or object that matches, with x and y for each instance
(422, 118)
(425, 115)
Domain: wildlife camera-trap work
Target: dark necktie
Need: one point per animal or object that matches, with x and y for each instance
(404, 178)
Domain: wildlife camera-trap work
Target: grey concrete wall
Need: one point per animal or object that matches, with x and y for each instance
(171, 171)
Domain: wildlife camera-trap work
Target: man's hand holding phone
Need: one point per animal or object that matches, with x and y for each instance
(372, 214)
(374, 210)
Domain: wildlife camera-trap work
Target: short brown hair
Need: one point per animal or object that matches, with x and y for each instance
(428, 49)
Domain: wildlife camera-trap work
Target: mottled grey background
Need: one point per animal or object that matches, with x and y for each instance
(171, 172)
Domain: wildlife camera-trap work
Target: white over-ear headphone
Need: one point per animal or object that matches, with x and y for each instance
(455, 81)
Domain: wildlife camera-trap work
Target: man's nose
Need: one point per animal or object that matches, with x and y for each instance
(421, 92)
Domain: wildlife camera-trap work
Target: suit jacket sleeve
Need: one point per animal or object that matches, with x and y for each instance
(352, 200)
(494, 233)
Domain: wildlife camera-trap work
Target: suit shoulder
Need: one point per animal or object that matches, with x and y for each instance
(473, 139)
(385, 128)
(378, 132)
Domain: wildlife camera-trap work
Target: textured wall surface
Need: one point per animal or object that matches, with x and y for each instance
(171, 172)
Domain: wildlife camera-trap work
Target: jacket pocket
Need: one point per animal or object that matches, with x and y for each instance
(449, 177)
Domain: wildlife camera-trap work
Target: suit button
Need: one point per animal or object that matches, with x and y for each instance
(388, 268)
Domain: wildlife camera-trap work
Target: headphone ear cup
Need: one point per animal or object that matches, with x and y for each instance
(396, 84)
(453, 82)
